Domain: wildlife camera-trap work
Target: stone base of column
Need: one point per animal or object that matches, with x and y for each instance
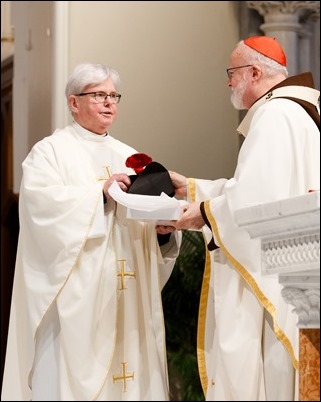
(309, 360)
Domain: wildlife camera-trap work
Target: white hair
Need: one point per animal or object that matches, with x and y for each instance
(270, 66)
(89, 74)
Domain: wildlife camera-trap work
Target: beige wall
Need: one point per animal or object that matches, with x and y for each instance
(171, 57)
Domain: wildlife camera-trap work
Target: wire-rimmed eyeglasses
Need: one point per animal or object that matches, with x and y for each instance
(229, 71)
(102, 97)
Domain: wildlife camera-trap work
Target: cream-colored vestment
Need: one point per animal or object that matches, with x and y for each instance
(86, 318)
(248, 338)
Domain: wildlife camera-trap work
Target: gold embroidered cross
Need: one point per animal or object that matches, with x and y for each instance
(124, 376)
(124, 273)
(107, 175)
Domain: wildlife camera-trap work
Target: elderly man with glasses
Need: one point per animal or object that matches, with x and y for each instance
(247, 339)
(86, 317)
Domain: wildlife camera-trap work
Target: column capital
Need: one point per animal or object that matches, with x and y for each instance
(285, 20)
(270, 9)
(306, 304)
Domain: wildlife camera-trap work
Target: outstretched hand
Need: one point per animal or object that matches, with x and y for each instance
(191, 218)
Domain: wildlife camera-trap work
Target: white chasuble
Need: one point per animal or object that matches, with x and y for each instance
(247, 333)
(86, 306)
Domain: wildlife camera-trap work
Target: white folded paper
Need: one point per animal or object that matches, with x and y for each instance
(160, 208)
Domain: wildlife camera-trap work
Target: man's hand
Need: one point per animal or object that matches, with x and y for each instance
(162, 229)
(123, 181)
(191, 218)
(179, 182)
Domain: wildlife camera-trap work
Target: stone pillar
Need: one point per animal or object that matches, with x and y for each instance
(283, 20)
(305, 53)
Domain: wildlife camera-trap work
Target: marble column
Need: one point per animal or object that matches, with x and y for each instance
(284, 20)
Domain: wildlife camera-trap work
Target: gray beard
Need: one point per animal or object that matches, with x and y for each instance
(237, 95)
(237, 102)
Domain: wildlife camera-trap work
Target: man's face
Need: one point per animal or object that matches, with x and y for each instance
(239, 79)
(92, 115)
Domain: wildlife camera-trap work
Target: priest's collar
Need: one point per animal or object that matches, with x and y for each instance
(89, 135)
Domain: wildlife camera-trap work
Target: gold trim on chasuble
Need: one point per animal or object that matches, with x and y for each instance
(202, 320)
(254, 286)
(201, 361)
(191, 189)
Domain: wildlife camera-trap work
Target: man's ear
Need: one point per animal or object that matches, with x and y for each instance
(72, 101)
(256, 71)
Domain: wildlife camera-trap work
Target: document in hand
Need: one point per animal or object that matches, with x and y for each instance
(160, 208)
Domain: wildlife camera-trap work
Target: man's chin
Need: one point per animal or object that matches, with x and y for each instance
(237, 106)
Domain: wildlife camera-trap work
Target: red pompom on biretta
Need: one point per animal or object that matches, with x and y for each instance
(267, 46)
(138, 161)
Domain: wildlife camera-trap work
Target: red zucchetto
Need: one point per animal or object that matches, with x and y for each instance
(267, 46)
